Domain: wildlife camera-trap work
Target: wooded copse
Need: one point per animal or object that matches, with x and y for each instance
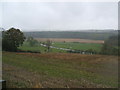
(12, 39)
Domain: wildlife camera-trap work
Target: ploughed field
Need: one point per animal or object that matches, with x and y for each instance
(70, 40)
(59, 70)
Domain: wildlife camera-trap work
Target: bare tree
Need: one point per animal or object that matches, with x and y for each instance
(48, 44)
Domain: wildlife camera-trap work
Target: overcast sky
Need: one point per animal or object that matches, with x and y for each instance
(60, 15)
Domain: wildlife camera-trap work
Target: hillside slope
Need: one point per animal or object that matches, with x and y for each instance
(59, 70)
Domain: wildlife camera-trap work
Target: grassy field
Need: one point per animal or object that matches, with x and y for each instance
(70, 45)
(39, 48)
(60, 70)
(79, 46)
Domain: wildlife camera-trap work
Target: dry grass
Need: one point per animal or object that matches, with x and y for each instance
(74, 57)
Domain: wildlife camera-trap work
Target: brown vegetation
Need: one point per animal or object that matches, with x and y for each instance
(70, 40)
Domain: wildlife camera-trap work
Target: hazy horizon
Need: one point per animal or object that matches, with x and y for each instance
(37, 30)
(51, 16)
(70, 30)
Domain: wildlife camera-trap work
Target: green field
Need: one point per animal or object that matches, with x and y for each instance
(79, 46)
(59, 70)
(37, 47)
(67, 45)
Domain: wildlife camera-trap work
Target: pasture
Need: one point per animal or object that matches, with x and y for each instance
(67, 45)
(79, 46)
(38, 48)
(59, 70)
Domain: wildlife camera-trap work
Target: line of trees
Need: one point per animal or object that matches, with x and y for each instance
(112, 45)
(94, 35)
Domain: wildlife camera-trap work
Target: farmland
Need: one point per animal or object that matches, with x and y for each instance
(75, 44)
(59, 70)
(79, 46)
(71, 40)
(38, 48)
(59, 44)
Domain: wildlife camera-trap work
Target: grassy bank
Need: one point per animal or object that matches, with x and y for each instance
(59, 70)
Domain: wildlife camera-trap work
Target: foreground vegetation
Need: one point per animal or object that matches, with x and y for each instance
(59, 70)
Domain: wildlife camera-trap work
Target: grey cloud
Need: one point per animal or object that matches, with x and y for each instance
(60, 16)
